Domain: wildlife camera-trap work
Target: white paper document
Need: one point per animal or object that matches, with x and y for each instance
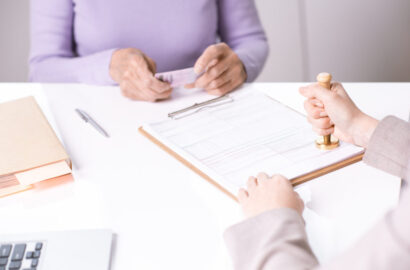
(252, 134)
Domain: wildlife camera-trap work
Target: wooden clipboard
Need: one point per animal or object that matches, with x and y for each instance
(295, 181)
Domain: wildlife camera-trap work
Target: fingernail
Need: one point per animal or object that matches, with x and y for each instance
(212, 63)
(198, 70)
(322, 114)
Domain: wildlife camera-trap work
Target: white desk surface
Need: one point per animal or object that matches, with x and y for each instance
(164, 215)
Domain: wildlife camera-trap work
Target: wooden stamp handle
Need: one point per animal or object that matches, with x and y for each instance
(324, 79)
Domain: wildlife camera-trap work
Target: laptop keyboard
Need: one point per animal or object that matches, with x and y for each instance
(20, 256)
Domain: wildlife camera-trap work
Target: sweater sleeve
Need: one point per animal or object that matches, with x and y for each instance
(52, 54)
(241, 29)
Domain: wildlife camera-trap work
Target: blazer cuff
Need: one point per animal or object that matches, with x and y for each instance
(249, 239)
(389, 146)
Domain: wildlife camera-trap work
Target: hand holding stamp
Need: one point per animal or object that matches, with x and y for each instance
(326, 142)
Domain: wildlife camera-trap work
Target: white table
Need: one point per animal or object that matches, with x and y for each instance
(164, 215)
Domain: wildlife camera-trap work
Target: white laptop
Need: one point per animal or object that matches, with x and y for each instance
(65, 250)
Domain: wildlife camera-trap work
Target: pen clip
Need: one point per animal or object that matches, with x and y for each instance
(200, 106)
(82, 114)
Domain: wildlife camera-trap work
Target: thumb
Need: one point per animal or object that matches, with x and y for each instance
(208, 59)
(189, 86)
(316, 91)
(152, 66)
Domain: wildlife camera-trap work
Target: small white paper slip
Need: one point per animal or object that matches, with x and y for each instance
(178, 78)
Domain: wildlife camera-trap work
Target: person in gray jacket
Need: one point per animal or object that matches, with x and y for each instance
(274, 236)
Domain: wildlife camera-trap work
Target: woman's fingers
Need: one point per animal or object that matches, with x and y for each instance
(317, 103)
(318, 117)
(134, 71)
(314, 111)
(212, 74)
(189, 86)
(323, 132)
(252, 183)
(219, 82)
(222, 90)
(262, 176)
(210, 57)
(144, 75)
(129, 89)
(221, 75)
(316, 91)
(227, 82)
(320, 123)
(134, 90)
(155, 96)
(148, 81)
(242, 195)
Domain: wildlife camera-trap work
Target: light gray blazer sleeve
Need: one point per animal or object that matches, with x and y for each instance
(277, 239)
(389, 147)
(272, 240)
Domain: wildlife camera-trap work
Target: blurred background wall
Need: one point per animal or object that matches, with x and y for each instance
(356, 40)
(14, 40)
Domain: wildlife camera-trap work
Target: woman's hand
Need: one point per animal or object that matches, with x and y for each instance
(134, 72)
(222, 70)
(333, 112)
(267, 193)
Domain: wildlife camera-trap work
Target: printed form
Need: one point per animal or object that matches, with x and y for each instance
(252, 134)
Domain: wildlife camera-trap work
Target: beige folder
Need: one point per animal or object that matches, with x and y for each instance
(30, 151)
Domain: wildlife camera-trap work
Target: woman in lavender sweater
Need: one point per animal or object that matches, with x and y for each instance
(126, 42)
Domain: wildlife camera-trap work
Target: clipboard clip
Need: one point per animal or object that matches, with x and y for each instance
(200, 106)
